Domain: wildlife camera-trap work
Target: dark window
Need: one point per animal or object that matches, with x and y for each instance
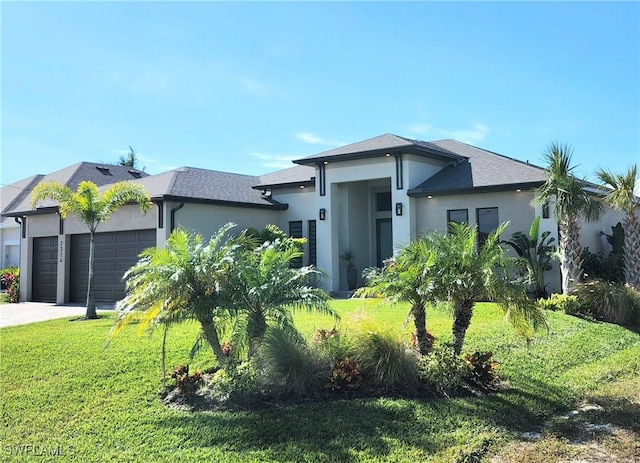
(545, 210)
(295, 231)
(457, 216)
(383, 201)
(487, 222)
(313, 256)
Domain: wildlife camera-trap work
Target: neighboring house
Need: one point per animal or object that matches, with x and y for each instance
(372, 197)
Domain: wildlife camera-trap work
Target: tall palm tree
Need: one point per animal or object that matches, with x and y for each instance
(179, 282)
(620, 196)
(93, 208)
(464, 274)
(571, 202)
(264, 287)
(406, 278)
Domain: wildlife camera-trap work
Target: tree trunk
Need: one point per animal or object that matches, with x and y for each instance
(570, 250)
(462, 311)
(425, 342)
(91, 298)
(632, 250)
(211, 336)
(257, 329)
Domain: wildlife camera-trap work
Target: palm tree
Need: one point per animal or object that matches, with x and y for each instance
(536, 252)
(130, 161)
(263, 287)
(92, 208)
(464, 274)
(570, 202)
(179, 282)
(406, 278)
(620, 196)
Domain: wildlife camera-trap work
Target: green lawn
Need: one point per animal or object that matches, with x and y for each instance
(63, 394)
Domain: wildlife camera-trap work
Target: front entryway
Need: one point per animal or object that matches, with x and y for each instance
(384, 240)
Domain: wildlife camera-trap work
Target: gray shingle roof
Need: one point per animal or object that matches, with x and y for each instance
(480, 169)
(293, 176)
(13, 194)
(100, 174)
(378, 146)
(203, 185)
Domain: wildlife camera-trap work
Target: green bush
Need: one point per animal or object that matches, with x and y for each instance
(386, 362)
(560, 303)
(285, 365)
(610, 302)
(236, 379)
(332, 344)
(443, 370)
(598, 267)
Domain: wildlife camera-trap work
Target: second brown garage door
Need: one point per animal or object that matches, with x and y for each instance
(115, 253)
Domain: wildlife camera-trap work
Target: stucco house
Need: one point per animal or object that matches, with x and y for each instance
(372, 197)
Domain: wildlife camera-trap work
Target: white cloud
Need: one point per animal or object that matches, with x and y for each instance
(474, 135)
(313, 139)
(310, 138)
(275, 161)
(254, 87)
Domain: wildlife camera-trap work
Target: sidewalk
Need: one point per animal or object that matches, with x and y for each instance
(30, 312)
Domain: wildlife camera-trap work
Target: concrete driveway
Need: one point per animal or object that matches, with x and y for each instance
(30, 312)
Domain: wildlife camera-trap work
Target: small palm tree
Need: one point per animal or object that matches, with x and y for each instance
(463, 275)
(179, 282)
(620, 196)
(536, 251)
(406, 278)
(570, 201)
(93, 208)
(263, 286)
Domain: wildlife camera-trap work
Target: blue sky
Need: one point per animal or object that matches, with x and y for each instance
(246, 87)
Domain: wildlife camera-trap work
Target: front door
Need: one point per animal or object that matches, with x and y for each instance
(384, 240)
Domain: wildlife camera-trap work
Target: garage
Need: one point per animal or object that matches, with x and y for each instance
(45, 269)
(115, 253)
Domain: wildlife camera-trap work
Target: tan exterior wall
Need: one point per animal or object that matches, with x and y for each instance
(207, 219)
(512, 206)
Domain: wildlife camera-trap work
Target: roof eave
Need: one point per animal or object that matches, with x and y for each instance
(274, 205)
(409, 149)
(417, 193)
(280, 186)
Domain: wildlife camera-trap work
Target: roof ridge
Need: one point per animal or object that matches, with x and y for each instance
(217, 171)
(526, 163)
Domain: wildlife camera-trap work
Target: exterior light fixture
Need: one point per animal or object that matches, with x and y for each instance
(429, 197)
(387, 155)
(326, 162)
(301, 186)
(518, 190)
(323, 213)
(398, 208)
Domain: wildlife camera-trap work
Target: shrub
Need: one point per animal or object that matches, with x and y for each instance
(332, 344)
(12, 284)
(345, 376)
(560, 303)
(482, 370)
(610, 302)
(384, 359)
(186, 383)
(285, 364)
(236, 379)
(443, 370)
(598, 267)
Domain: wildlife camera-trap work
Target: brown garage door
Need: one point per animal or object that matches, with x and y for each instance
(115, 253)
(45, 269)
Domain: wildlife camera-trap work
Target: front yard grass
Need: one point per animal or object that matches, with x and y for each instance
(65, 398)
